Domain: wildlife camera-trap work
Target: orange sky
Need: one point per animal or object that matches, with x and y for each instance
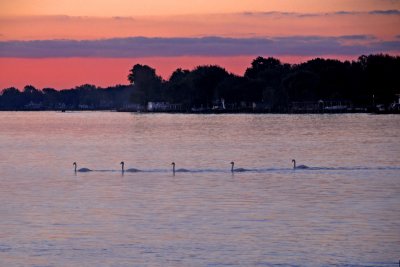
(174, 7)
(232, 25)
(373, 21)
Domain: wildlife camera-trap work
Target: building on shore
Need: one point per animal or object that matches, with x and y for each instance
(321, 106)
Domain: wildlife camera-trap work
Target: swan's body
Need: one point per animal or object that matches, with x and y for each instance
(178, 170)
(300, 166)
(236, 170)
(128, 170)
(81, 169)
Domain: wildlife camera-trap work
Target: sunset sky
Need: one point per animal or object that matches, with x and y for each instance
(65, 43)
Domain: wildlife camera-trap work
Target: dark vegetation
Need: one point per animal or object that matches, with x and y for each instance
(267, 85)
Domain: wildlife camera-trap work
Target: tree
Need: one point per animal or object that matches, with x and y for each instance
(147, 83)
(178, 87)
(381, 77)
(50, 97)
(261, 65)
(31, 94)
(265, 78)
(203, 82)
(301, 86)
(11, 99)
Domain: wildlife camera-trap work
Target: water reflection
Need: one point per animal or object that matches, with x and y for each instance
(342, 211)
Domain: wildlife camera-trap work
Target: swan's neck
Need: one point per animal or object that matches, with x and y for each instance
(294, 164)
(122, 167)
(173, 168)
(232, 167)
(75, 167)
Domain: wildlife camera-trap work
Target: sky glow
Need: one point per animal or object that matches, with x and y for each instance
(104, 36)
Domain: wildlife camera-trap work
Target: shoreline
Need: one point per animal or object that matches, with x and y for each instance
(206, 112)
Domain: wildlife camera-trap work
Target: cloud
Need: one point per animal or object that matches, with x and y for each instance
(294, 14)
(385, 12)
(322, 14)
(345, 13)
(357, 37)
(206, 46)
(123, 18)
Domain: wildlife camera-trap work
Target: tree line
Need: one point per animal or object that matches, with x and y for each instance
(368, 80)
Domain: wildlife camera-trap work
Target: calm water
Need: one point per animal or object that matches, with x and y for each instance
(344, 211)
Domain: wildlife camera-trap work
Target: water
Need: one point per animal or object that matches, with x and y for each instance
(343, 211)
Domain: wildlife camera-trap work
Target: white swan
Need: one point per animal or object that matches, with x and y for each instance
(178, 170)
(236, 170)
(128, 170)
(300, 166)
(81, 169)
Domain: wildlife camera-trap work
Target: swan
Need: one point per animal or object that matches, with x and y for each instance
(236, 170)
(81, 169)
(178, 170)
(128, 170)
(300, 166)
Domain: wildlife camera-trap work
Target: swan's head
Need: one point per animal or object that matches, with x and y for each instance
(293, 160)
(122, 163)
(232, 163)
(74, 164)
(173, 163)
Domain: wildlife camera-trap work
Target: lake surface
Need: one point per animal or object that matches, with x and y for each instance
(343, 211)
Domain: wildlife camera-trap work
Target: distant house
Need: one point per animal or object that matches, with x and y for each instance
(335, 105)
(305, 106)
(163, 106)
(321, 106)
(262, 107)
(33, 106)
(83, 107)
(132, 107)
(219, 104)
(60, 106)
(396, 105)
(246, 105)
(106, 104)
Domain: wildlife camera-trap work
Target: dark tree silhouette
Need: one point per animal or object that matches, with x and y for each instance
(178, 87)
(32, 95)
(265, 78)
(11, 99)
(203, 82)
(372, 79)
(147, 84)
(381, 76)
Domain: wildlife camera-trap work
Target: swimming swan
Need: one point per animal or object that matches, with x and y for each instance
(82, 169)
(300, 166)
(236, 170)
(178, 170)
(128, 170)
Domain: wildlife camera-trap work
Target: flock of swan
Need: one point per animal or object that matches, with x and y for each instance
(180, 170)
